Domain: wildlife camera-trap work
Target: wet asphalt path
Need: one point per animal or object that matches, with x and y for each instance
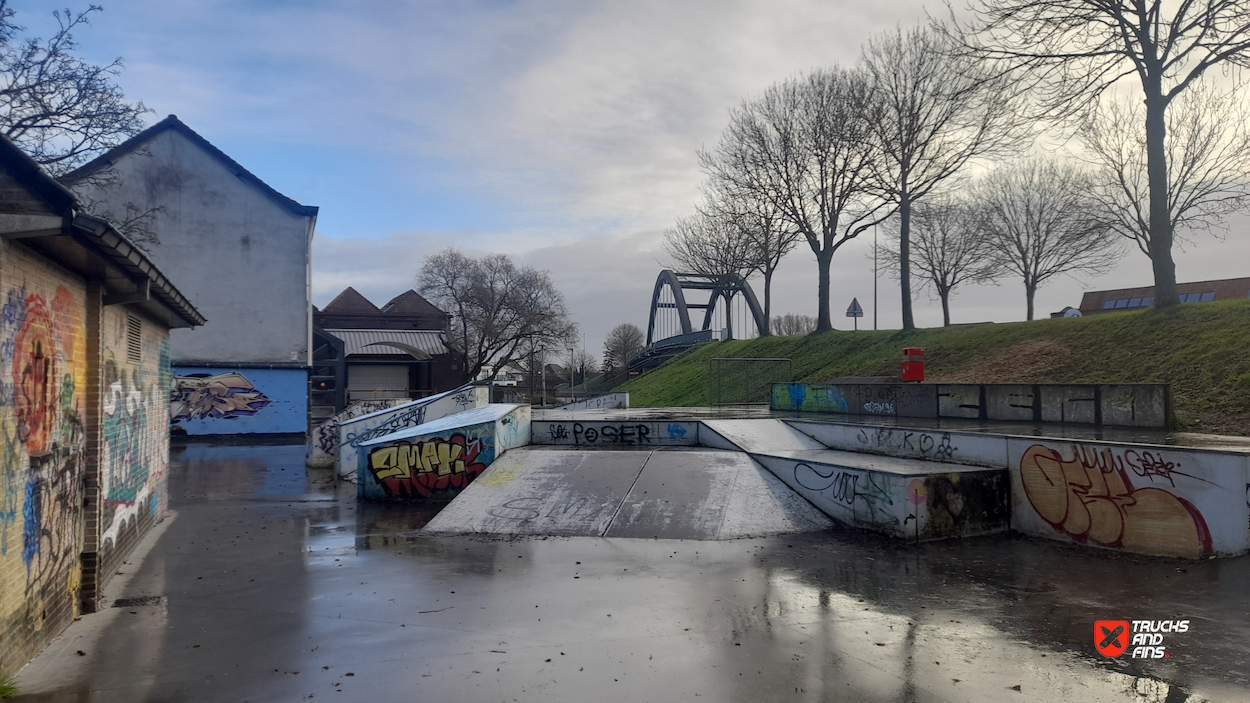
(272, 584)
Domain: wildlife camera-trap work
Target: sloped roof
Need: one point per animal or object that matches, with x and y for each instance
(410, 302)
(92, 246)
(172, 122)
(349, 302)
(379, 341)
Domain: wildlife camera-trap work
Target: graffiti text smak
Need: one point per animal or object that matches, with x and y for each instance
(436, 466)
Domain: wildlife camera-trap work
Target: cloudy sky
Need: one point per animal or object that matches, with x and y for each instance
(562, 132)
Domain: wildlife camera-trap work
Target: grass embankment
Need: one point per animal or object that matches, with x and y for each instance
(1203, 350)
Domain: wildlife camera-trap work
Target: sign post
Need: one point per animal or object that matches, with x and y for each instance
(855, 311)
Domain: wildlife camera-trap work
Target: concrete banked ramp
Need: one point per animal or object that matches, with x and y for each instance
(660, 493)
(907, 498)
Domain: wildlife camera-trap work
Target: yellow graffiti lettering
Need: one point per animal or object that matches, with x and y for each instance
(385, 464)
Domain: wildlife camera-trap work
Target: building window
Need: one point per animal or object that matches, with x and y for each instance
(1208, 297)
(1121, 303)
(134, 339)
(1135, 303)
(1147, 302)
(1111, 304)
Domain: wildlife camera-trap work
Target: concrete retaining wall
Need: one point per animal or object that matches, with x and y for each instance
(608, 401)
(616, 433)
(931, 445)
(438, 459)
(1149, 500)
(1131, 405)
(365, 428)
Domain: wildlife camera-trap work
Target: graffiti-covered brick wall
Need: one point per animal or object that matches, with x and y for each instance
(133, 448)
(221, 400)
(43, 382)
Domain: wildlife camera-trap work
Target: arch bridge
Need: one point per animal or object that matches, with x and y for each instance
(670, 311)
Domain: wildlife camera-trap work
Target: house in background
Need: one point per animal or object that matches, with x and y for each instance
(396, 351)
(1100, 301)
(243, 252)
(84, 397)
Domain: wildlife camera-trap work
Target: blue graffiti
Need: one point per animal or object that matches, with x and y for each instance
(30, 528)
(835, 399)
(798, 393)
(676, 431)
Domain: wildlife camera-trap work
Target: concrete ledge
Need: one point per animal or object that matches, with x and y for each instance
(1137, 498)
(440, 458)
(913, 500)
(618, 433)
(355, 431)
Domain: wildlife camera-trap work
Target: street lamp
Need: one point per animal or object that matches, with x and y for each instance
(542, 359)
(572, 388)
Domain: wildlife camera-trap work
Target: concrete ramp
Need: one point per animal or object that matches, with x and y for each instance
(755, 436)
(664, 493)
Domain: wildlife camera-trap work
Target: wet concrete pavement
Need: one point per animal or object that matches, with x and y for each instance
(272, 584)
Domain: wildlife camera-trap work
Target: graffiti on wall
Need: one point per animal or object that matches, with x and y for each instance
(223, 396)
(865, 494)
(1090, 496)
(619, 433)
(326, 435)
(134, 436)
(42, 372)
(929, 445)
(811, 398)
(433, 467)
(408, 418)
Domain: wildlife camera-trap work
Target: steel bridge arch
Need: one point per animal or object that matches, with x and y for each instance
(722, 287)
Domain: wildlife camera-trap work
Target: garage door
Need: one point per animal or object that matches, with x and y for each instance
(376, 382)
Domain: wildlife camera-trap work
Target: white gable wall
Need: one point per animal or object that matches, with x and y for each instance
(242, 257)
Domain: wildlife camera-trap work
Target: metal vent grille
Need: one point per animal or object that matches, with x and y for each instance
(134, 339)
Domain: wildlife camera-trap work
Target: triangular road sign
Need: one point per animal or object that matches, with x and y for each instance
(855, 310)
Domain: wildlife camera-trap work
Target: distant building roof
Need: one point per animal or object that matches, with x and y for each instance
(410, 302)
(54, 225)
(172, 122)
(349, 302)
(1136, 298)
(429, 342)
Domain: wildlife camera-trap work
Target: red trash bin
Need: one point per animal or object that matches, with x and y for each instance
(913, 364)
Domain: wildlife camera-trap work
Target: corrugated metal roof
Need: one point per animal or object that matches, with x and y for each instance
(358, 341)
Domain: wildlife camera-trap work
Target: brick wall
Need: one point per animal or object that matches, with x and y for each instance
(43, 376)
(134, 432)
(84, 445)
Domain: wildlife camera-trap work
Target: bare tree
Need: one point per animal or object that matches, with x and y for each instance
(1077, 50)
(952, 247)
(764, 232)
(622, 344)
(792, 325)
(1208, 152)
(807, 147)
(584, 365)
(58, 108)
(711, 243)
(1042, 222)
(939, 110)
(499, 311)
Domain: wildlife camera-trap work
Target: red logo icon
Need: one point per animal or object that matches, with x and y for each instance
(1111, 637)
